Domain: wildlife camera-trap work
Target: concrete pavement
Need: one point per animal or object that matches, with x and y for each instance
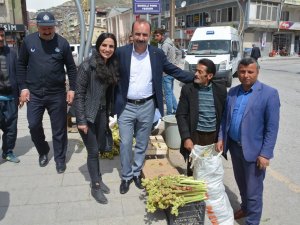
(31, 195)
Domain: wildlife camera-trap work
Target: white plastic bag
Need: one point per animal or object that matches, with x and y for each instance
(207, 164)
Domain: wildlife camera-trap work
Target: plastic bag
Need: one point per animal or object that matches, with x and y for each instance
(207, 164)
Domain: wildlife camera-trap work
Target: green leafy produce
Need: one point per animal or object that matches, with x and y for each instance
(173, 191)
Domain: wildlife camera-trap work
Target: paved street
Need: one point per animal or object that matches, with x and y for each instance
(31, 195)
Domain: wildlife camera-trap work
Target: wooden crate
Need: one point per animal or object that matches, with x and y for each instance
(158, 167)
(157, 146)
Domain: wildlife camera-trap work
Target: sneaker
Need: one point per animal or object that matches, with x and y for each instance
(10, 157)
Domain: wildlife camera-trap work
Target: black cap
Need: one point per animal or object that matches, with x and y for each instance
(45, 19)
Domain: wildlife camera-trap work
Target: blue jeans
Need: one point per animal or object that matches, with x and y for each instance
(168, 86)
(135, 121)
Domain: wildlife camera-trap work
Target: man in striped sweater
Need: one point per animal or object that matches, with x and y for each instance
(200, 109)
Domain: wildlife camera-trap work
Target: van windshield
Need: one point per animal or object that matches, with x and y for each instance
(209, 47)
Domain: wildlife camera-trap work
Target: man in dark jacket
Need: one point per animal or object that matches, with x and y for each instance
(9, 97)
(200, 109)
(255, 52)
(41, 77)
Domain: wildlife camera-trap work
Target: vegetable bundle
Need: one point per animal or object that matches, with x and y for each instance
(173, 191)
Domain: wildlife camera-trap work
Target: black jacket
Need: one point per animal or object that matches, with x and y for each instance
(255, 53)
(89, 88)
(41, 64)
(187, 111)
(11, 62)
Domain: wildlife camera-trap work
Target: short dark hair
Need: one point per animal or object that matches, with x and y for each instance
(102, 37)
(247, 61)
(160, 31)
(142, 20)
(2, 29)
(210, 66)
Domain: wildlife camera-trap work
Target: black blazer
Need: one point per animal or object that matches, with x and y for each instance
(159, 64)
(187, 111)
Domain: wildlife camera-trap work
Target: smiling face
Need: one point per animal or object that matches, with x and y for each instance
(107, 49)
(46, 32)
(248, 75)
(141, 35)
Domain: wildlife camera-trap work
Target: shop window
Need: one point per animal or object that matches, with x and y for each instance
(230, 14)
(226, 14)
(285, 15)
(196, 20)
(274, 13)
(218, 16)
(266, 11)
(189, 21)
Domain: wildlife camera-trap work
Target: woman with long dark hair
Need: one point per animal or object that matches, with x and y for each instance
(96, 79)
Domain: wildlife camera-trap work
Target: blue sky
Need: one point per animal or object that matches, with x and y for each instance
(42, 4)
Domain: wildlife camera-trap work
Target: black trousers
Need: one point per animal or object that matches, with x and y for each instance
(56, 106)
(201, 138)
(92, 140)
(8, 124)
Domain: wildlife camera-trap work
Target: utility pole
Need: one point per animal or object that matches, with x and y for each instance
(172, 19)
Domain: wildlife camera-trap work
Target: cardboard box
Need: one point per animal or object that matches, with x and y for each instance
(157, 146)
(158, 167)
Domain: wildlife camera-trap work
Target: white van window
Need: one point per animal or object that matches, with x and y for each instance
(209, 47)
(235, 46)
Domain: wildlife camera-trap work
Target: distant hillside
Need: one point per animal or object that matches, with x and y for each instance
(113, 3)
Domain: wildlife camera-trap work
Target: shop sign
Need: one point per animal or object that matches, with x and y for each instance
(189, 32)
(13, 27)
(288, 25)
(147, 7)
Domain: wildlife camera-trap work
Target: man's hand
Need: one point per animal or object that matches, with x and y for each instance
(70, 97)
(83, 128)
(188, 144)
(24, 97)
(21, 104)
(262, 162)
(219, 146)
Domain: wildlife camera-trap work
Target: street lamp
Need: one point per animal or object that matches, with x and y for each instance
(172, 19)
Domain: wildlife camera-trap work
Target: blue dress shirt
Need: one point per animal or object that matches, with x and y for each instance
(237, 114)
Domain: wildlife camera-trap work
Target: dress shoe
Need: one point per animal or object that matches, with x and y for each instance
(43, 160)
(102, 186)
(138, 182)
(239, 214)
(60, 167)
(98, 195)
(124, 187)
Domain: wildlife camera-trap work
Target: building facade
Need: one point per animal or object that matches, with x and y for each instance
(273, 25)
(13, 17)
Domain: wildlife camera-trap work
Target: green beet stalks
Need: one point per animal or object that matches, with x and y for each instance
(173, 192)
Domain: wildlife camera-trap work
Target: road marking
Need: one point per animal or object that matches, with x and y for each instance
(278, 176)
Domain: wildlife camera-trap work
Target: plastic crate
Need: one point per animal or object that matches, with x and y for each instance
(190, 214)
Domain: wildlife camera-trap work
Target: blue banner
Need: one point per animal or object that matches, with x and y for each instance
(146, 7)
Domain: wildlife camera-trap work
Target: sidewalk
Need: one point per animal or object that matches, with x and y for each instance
(279, 58)
(31, 195)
